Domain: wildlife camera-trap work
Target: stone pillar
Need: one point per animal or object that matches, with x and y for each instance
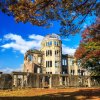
(26, 79)
(65, 81)
(89, 82)
(77, 83)
(50, 82)
(43, 80)
(15, 81)
(37, 81)
(22, 85)
(60, 80)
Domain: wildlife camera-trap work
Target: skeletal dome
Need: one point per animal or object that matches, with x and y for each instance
(52, 36)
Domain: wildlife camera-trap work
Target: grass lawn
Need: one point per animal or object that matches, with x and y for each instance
(51, 94)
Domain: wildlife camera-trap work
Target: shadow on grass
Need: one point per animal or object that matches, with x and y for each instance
(86, 94)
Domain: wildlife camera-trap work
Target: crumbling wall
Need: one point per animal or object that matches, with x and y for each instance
(95, 81)
(59, 80)
(6, 81)
(55, 79)
(33, 80)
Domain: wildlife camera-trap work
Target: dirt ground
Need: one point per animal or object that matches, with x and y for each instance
(51, 94)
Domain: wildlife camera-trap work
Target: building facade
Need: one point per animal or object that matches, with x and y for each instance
(50, 60)
(48, 67)
(51, 46)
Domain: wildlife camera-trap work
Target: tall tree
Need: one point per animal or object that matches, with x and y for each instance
(88, 52)
(70, 13)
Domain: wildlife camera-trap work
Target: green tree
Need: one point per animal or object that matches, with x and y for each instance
(70, 13)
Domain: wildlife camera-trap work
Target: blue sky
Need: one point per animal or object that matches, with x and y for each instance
(17, 38)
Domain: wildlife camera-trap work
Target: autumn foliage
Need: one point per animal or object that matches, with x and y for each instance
(88, 52)
(70, 13)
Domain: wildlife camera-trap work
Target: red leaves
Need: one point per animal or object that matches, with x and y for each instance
(80, 51)
(91, 34)
(88, 52)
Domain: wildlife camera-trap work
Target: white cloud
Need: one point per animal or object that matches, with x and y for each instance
(9, 69)
(36, 37)
(67, 39)
(6, 70)
(18, 39)
(19, 44)
(68, 50)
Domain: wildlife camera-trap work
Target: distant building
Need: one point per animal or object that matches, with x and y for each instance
(50, 60)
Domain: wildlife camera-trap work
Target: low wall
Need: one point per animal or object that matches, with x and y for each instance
(6, 81)
(22, 80)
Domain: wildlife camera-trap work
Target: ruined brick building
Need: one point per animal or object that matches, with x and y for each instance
(50, 60)
(48, 67)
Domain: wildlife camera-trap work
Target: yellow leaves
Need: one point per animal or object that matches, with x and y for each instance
(10, 8)
(93, 46)
(39, 9)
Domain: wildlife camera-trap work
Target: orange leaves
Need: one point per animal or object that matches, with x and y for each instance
(91, 34)
(80, 51)
(89, 50)
(41, 12)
